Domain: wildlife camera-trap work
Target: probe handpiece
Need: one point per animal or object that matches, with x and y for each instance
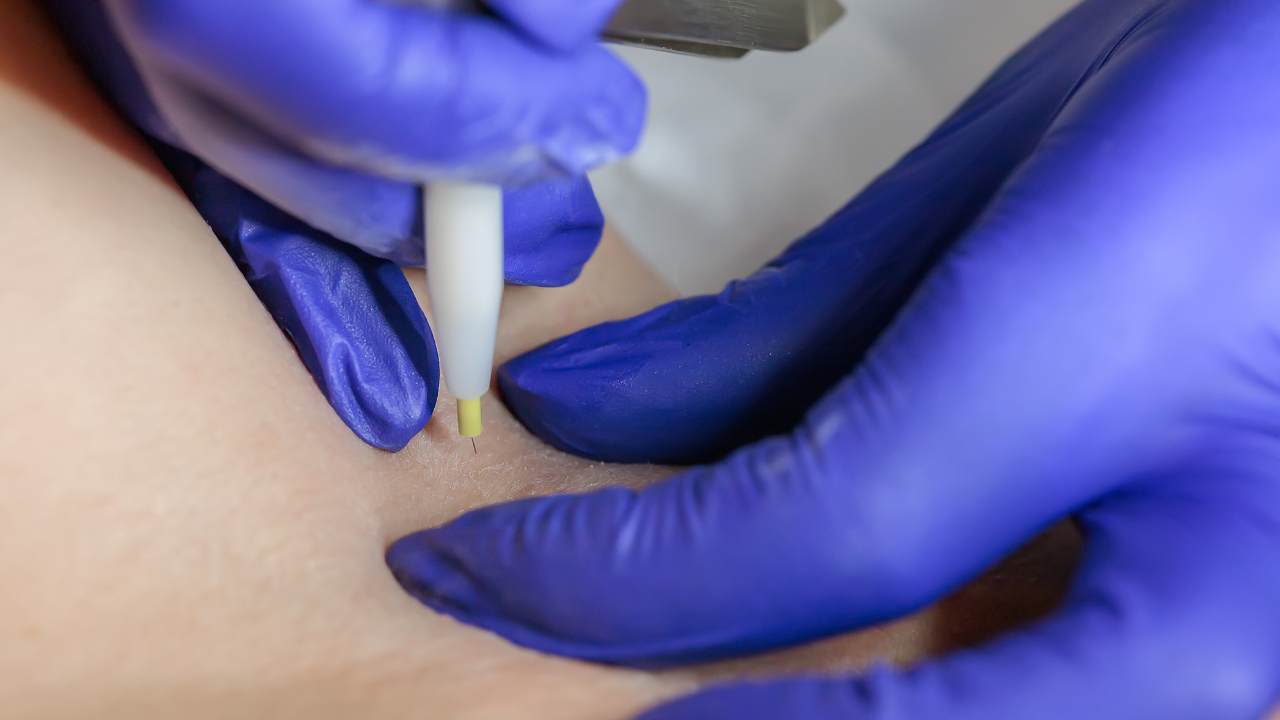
(463, 223)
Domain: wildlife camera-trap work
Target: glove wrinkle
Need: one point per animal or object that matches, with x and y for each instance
(353, 318)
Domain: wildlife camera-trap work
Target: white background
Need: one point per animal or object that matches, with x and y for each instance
(742, 157)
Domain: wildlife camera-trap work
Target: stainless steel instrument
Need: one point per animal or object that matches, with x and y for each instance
(722, 28)
(714, 28)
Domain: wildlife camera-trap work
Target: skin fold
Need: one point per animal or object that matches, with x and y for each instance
(188, 530)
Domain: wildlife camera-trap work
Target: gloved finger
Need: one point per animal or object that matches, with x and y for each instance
(353, 318)
(690, 381)
(551, 230)
(561, 24)
(400, 90)
(378, 215)
(1172, 617)
(860, 516)
(551, 227)
(1040, 365)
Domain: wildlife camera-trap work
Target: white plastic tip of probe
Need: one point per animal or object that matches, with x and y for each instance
(463, 227)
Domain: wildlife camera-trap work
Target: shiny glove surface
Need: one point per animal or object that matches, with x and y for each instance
(1065, 303)
(333, 110)
(193, 86)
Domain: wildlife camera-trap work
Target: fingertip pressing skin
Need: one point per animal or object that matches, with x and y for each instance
(370, 352)
(691, 381)
(352, 317)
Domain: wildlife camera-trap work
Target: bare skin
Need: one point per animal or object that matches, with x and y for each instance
(188, 530)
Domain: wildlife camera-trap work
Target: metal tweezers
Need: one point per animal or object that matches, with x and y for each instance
(713, 28)
(722, 28)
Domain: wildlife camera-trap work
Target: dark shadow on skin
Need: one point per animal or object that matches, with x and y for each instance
(1025, 587)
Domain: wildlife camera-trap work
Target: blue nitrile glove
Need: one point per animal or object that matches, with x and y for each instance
(1066, 302)
(272, 93)
(333, 110)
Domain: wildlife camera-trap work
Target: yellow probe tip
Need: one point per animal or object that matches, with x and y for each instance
(469, 418)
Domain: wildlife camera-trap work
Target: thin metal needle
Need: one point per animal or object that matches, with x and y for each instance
(473, 447)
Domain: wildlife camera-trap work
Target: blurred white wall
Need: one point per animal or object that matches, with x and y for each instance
(742, 157)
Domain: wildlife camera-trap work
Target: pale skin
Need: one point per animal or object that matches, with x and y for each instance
(187, 529)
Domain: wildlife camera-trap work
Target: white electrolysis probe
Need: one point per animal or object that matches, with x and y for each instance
(463, 225)
(463, 229)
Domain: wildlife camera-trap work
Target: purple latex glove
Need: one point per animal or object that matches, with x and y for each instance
(1066, 302)
(333, 110)
(351, 315)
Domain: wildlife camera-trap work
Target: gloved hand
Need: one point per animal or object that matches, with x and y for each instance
(331, 112)
(1065, 302)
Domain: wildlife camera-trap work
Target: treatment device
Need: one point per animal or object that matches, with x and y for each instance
(463, 221)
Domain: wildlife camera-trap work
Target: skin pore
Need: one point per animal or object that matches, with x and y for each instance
(188, 530)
